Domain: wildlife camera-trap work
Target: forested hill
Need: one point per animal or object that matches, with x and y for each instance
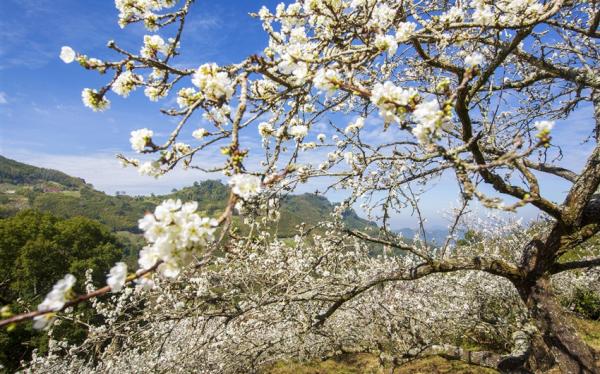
(24, 186)
(15, 172)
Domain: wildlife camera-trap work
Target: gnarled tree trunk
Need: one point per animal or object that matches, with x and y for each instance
(557, 342)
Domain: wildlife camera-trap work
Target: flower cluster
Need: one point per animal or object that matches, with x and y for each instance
(199, 133)
(126, 82)
(404, 31)
(386, 43)
(155, 92)
(245, 186)
(474, 59)
(429, 118)
(218, 115)
(150, 168)
(454, 14)
(544, 128)
(175, 233)
(327, 80)
(265, 129)
(392, 101)
(54, 301)
(355, 126)
(134, 10)
(140, 139)
(93, 99)
(214, 84)
(508, 12)
(117, 276)
(187, 97)
(67, 54)
(298, 131)
(153, 44)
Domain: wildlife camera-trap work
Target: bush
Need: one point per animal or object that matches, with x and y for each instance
(586, 303)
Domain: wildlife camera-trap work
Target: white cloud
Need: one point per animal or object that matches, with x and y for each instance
(3, 99)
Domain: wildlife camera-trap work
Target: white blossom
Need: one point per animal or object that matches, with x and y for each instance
(386, 43)
(92, 99)
(454, 14)
(140, 139)
(298, 131)
(174, 232)
(218, 115)
(117, 276)
(474, 59)
(349, 158)
(245, 186)
(199, 133)
(154, 93)
(544, 127)
(150, 168)
(483, 13)
(67, 54)
(355, 126)
(153, 44)
(214, 84)
(428, 116)
(125, 83)
(390, 100)
(265, 129)
(327, 80)
(405, 31)
(187, 97)
(54, 301)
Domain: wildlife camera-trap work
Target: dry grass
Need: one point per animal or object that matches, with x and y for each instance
(368, 364)
(440, 365)
(349, 364)
(589, 331)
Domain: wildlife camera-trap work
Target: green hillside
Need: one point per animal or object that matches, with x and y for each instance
(15, 172)
(24, 186)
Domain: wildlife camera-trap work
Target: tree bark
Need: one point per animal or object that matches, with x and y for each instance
(557, 342)
(596, 102)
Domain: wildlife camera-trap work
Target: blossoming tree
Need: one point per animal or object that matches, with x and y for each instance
(412, 91)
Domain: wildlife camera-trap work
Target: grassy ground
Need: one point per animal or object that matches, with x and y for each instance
(589, 331)
(351, 364)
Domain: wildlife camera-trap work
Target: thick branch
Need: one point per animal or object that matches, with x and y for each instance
(582, 192)
(462, 111)
(551, 169)
(492, 266)
(560, 267)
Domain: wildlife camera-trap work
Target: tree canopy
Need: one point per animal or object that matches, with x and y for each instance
(36, 249)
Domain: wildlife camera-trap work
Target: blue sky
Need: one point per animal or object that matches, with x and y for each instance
(43, 122)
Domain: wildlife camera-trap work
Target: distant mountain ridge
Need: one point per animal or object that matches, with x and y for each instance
(434, 236)
(24, 186)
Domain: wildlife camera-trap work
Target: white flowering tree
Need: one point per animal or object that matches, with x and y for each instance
(388, 96)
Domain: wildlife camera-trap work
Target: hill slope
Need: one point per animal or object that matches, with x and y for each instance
(24, 186)
(15, 172)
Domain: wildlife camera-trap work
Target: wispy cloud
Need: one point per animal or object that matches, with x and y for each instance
(3, 98)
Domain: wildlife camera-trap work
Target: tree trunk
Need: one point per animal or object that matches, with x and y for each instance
(556, 342)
